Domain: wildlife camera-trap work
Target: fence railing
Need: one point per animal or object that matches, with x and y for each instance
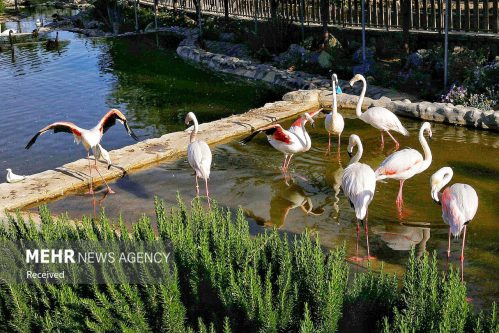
(423, 15)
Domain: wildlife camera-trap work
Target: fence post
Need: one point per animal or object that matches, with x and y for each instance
(446, 43)
(273, 10)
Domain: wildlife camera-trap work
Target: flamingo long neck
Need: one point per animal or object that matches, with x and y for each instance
(305, 134)
(426, 149)
(445, 180)
(358, 110)
(335, 104)
(358, 155)
(195, 130)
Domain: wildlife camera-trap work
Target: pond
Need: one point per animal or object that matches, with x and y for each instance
(156, 89)
(85, 77)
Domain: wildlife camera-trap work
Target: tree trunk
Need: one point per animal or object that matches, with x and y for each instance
(273, 9)
(226, 10)
(325, 19)
(197, 4)
(406, 23)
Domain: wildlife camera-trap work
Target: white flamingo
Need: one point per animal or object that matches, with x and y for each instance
(297, 129)
(378, 117)
(406, 163)
(459, 204)
(359, 183)
(89, 138)
(288, 142)
(334, 122)
(13, 178)
(8, 31)
(198, 155)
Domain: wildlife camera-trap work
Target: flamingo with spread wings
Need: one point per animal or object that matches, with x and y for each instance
(90, 138)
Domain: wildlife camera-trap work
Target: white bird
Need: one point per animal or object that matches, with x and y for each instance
(38, 23)
(334, 122)
(378, 117)
(198, 155)
(13, 178)
(406, 163)
(296, 140)
(8, 31)
(359, 183)
(459, 204)
(90, 138)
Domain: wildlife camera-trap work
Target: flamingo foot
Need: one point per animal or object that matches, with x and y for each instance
(90, 192)
(369, 257)
(355, 259)
(110, 191)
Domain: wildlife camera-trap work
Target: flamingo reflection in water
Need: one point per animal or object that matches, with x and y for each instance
(284, 199)
(400, 237)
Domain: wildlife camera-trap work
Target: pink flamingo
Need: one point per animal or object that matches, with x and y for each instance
(334, 122)
(459, 205)
(378, 117)
(359, 183)
(406, 163)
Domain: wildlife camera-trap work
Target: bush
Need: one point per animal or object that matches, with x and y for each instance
(223, 279)
(2, 6)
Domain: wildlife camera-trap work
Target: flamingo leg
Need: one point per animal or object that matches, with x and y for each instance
(109, 190)
(283, 167)
(382, 140)
(448, 246)
(90, 187)
(366, 229)
(462, 254)
(356, 257)
(328, 150)
(289, 161)
(197, 186)
(339, 144)
(400, 198)
(396, 142)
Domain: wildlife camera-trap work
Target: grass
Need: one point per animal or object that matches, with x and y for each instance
(222, 279)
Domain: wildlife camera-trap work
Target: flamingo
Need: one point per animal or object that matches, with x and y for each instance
(334, 122)
(89, 138)
(378, 117)
(288, 142)
(198, 155)
(7, 32)
(359, 183)
(406, 163)
(459, 204)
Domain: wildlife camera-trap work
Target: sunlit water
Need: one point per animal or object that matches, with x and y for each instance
(155, 89)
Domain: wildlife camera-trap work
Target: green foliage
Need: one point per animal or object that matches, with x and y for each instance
(2, 6)
(223, 279)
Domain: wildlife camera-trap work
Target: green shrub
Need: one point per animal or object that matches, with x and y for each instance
(2, 6)
(222, 279)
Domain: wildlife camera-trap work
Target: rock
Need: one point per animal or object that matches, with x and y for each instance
(227, 36)
(407, 101)
(325, 60)
(94, 24)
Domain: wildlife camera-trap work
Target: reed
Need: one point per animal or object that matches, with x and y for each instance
(223, 279)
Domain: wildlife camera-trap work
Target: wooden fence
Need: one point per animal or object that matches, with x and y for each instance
(422, 15)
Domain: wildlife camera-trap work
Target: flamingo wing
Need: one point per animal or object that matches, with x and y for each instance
(110, 118)
(199, 157)
(276, 131)
(384, 119)
(359, 183)
(57, 127)
(398, 162)
(459, 206)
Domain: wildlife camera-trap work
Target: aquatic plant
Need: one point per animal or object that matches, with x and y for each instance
(223, 279)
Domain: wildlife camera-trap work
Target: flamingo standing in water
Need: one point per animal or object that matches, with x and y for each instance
(378, 117)
(295, 140)
(406, 163)
(359, 183)
(198, 155)
(334, 122)
(459, 205)
(90, 138)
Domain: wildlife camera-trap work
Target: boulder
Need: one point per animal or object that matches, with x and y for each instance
(325, 60)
